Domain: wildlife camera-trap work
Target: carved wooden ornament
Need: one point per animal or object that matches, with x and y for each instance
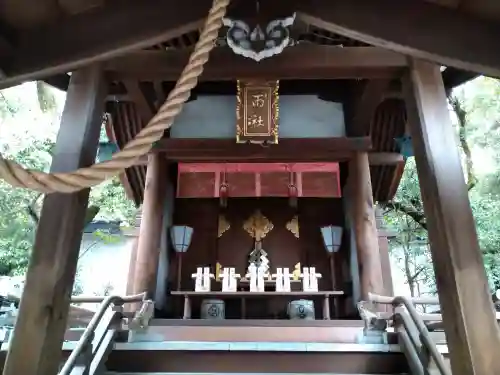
(224, 225)
(293, 226)
(258, 226)
(257, 112)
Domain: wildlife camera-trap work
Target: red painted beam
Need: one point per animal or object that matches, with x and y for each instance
(197, 180)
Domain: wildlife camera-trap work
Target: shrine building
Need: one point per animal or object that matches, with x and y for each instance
(266, 134)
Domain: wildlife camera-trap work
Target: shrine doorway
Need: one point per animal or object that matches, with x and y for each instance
(284, 245)
(280, 243)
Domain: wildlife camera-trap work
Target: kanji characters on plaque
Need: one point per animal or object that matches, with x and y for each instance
(257, 112)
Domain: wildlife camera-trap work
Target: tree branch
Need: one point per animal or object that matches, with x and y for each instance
(459, 110)
(418, 272)
(414, 208)
(32, 210)
(417, 215)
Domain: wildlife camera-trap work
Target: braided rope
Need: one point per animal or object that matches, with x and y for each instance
(17, 176)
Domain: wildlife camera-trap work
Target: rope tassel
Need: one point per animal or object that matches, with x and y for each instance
(15, 175)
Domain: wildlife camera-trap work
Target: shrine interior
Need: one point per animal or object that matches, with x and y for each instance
(298, 184)
(283, 247)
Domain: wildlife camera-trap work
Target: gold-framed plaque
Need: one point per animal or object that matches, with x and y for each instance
(257, 112)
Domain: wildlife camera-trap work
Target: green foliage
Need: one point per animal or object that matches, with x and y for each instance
(8, 107)
(409, 248)
(45, 96)
(110, 197)
(17, 222)
(476, 110)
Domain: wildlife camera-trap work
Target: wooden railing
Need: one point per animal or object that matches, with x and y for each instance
(96, 342)
(414, 335)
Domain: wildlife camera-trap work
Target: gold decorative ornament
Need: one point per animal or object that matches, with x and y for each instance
(224, 225)
(293, 226)
(258, 226)
(257, 111)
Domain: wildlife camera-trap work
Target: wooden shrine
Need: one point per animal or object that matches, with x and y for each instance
(294, 118)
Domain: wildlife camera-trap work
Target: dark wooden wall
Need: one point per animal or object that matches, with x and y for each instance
(283, 248)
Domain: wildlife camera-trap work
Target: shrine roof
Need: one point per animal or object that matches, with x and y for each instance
(340, 47)
(40, 39)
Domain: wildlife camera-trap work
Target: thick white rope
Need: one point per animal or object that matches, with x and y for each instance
(17, 176)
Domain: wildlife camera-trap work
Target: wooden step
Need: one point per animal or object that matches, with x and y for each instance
(264, 358)
(327, 331)
(157, 358)
(220, 373)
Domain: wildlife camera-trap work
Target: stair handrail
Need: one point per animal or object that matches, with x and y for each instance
(425, 337)
(88, 334)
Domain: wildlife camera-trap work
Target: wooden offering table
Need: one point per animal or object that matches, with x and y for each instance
(244, 294)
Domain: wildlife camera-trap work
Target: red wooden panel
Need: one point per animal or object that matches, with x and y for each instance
(258, 179)
(241, 184)
(320, 184)
(259, 167)
(274, 184)
(196, 185)
(201, 167)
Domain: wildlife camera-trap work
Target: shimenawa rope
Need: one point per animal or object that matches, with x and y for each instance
(17, 176)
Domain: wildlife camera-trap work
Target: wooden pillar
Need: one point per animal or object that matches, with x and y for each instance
(365, 227)
(468, 316)
(150, 232)
(38, 335)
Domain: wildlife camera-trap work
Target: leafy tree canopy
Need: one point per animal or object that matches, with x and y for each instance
(29, 118)
(475, 109)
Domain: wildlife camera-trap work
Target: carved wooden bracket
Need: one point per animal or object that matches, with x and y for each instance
(258, 43)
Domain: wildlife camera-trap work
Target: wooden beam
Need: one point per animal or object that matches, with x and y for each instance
(364, 106)
(312, 149)
(59, 81)
(326, 89)
(299, 62)
(137, 96)
(385, 158)
(79, 6)
(374, 158)
(126, 176)
(472, 332)
(160, 96)
(412, 27)
(39, 331)
(100, 34)
(455, 77)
